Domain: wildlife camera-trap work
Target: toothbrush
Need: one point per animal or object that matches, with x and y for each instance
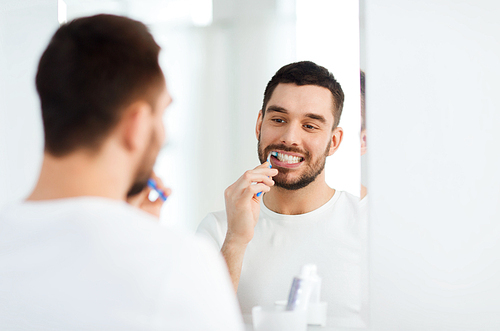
(152, 184)
(275, 154)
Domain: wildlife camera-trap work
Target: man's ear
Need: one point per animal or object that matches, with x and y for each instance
(135, 128)
(337, 135)
(258, 125)
(363, 142)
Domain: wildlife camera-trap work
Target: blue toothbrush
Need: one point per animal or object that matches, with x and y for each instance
(275, 154)
(152, 184)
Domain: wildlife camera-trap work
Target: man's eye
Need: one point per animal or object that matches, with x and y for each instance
(278, 120)
(310, 127)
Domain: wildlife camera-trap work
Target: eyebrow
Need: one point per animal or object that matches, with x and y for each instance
(277, 109)
(282, 110)
(316, 117)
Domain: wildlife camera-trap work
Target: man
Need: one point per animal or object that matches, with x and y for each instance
(75, 255)
(298, 219)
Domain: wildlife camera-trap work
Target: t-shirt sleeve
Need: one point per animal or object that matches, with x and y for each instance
(212, 229)
(203, 289)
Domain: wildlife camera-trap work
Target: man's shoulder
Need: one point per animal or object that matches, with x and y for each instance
(88, 227)
(345, 203)
(214, 219)
(111, 222)
(347, 198)
(218, 216)
(214, 227)
(355, 207)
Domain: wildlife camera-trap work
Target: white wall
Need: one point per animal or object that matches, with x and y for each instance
(433, 113)
(25, 29)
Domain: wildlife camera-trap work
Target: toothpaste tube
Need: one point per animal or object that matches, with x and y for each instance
(303, 287)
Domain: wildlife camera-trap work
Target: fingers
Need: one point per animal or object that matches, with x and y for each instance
(165, 191)
(259, 175)
(143, 194)
(254, 190)
(245, 191)
(252, 182)
(259, 179)
(266, 166)
(155, 205)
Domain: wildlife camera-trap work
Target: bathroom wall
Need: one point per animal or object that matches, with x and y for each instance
(433, 114)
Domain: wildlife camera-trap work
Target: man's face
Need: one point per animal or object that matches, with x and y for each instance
(298, 125)
(145, 169)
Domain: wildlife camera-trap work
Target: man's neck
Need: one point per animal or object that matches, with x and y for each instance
(79, 174)
(296, 202)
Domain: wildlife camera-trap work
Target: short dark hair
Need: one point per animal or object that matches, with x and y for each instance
(307, 73)
(92, 68)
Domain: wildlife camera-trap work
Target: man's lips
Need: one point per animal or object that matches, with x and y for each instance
(287, 159)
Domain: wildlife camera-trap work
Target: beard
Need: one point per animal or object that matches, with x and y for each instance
(145, 169)
(313, 168)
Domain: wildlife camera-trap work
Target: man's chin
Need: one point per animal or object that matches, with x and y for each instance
(293, 185)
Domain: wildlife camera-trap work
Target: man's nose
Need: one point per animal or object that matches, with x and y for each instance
(291, 135)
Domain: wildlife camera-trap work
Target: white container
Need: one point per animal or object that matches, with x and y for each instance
(316, 311)
(277, 319)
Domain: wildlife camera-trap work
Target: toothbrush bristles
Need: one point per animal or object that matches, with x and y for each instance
(273, 153)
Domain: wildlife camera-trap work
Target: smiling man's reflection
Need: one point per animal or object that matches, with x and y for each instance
(298, 219)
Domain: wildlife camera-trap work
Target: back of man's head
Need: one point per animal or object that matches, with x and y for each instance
(307, 73)
(92, 68)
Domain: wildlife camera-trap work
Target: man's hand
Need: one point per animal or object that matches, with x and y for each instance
(242, 209)
(242, 204)
(141, 200)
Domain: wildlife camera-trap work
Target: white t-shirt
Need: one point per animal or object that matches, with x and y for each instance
(92, 263)
(333, 237)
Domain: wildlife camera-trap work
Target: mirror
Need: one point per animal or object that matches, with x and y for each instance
(218, 57)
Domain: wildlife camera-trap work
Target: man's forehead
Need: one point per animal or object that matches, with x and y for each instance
(303, 99)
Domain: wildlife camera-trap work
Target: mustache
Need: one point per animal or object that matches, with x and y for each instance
(286, 149)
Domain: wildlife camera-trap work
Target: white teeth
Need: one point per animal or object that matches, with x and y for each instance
(288, 158)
